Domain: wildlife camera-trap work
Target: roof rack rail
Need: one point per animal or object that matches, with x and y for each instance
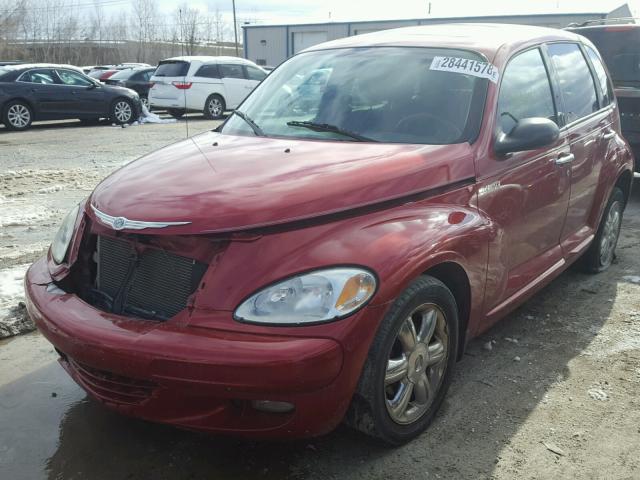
(605, 21)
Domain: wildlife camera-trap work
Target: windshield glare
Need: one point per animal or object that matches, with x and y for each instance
(384, 94)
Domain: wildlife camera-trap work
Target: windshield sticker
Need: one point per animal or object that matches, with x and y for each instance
(468, 67)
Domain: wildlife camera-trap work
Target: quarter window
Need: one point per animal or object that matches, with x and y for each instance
(576, 83)
(601, 73)
(232, 71)
(525, 91)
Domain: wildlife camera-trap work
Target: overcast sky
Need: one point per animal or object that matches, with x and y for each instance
(301, 11)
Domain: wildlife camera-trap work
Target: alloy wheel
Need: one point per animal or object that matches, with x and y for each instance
(416, 364)
(610, 234)
(215, 107)
(123, 112)
(19, 116)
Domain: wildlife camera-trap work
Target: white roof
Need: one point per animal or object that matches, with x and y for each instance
(22, 66)
(205, 59)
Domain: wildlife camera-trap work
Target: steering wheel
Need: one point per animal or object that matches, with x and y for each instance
(437, 126)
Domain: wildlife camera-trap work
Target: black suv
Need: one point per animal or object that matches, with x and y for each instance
(138, 79)
(619, 46)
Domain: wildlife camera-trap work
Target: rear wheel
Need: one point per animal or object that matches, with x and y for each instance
(214, 107)
(602, 251)
(122, 111)
(409, 366)
(176, 113)
(17, 115)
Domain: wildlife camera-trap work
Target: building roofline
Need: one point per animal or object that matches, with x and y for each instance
(427, 19)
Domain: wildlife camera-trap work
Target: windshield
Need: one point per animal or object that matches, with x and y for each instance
(381, 94)
(123, 74)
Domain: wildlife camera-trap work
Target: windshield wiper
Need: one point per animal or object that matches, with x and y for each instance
(326, 127)
(254, 126)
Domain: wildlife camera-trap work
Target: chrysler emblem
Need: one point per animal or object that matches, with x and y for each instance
(119, 223)
(122, 223)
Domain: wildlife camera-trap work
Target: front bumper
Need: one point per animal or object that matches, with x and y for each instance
(194, 377)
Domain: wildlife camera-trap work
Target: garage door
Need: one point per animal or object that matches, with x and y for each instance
(302, 40)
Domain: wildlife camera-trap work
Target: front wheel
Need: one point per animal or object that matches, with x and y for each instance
(17, 115)
(409, 366)
(122, 111)
(602, 251)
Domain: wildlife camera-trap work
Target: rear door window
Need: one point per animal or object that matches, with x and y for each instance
(231, 71)
(43, 76)
(603, 81)
(208, 71)
(525, 91)
(172, 68)
(576, 83)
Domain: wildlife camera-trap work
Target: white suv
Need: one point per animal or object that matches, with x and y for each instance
(205, 84)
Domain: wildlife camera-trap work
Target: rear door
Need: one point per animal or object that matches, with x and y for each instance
(169, 74)
(235, 84)
(526, 194)
(585, 123)
(206, 81)
(42, 84)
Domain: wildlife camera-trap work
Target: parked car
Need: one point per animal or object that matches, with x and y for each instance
(210, 85)
(137, 79)
(293, 269)
(102, 75)
(618, 45)
(54, 92)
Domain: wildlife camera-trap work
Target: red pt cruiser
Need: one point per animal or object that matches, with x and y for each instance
(330, 249)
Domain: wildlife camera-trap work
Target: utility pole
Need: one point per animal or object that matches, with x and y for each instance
(235, 26)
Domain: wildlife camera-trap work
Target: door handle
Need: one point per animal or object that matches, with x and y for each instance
(564, 159)
(609, 135)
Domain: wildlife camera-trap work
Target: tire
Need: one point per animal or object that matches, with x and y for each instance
(376, 408)
(176, 113)
(214, 107)
(602, 251)
(17, 115)
(122, 111)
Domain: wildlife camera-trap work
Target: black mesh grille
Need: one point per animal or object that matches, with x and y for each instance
(153, 284)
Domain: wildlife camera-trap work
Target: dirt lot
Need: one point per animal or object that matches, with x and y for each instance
(553, 391)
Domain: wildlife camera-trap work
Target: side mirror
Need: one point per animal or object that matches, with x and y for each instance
(92, 86)
(528, 134)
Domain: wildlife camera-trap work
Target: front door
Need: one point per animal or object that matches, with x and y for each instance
(235, 85)
(526, 194)
(587, 114)
(87, 98)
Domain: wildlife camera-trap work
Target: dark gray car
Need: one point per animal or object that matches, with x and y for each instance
(55, 92)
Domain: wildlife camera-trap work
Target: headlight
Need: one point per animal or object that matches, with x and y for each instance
(62, 239)
(314, 297)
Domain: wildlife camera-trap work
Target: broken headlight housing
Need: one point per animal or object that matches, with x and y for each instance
(61, 241)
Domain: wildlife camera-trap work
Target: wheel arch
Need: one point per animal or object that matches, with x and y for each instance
(455, 278)
(20, 99)
(624, 183)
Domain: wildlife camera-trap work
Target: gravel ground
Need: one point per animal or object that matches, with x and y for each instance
(552, 391)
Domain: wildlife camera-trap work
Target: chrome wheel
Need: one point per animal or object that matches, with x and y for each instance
(122, 111)
(215, 107)
(610, 234)
(18, 115)
(416, 364)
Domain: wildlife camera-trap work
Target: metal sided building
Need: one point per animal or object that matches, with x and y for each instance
(272, 44)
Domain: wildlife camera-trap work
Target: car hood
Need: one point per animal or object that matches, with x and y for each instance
(223, 183)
